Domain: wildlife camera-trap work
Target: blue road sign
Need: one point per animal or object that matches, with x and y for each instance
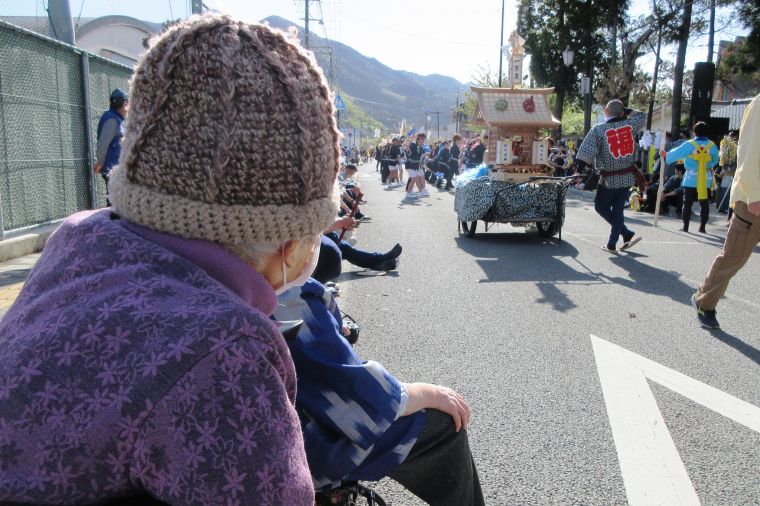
(339, 104)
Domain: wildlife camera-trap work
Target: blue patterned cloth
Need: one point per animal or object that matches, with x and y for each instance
(349, 408)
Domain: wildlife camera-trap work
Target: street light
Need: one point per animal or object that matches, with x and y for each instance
(567, 56)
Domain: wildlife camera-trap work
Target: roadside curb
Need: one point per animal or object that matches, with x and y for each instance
(26, 242)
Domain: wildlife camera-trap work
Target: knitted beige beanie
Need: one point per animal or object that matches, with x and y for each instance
(230, 137)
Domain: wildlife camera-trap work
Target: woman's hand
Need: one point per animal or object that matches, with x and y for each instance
(425, 395)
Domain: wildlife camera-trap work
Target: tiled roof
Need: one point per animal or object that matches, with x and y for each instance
(733, 112)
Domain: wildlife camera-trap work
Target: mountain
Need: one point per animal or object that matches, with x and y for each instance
(387, 95)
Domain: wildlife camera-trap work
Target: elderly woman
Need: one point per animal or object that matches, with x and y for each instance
(140, 357)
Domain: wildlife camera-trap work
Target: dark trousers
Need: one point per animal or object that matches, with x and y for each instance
(384, 172)
(609, 204)
(106, 177)
(358, 257)
(675, 201)
(689, 196)
(440, 469)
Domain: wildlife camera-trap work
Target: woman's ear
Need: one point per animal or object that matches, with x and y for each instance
(290, 252)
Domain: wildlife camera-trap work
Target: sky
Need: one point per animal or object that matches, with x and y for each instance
(422, 36)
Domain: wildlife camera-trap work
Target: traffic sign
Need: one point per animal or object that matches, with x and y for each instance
(339, 104)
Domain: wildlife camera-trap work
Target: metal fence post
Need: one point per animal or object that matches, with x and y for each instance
(85, 59)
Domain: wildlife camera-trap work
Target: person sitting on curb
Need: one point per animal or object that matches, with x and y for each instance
(361, 423)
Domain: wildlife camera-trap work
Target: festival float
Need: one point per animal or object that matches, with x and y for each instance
(519, 188)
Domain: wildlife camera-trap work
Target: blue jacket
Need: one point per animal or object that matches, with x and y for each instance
(114, 148)
(684, 150)
(349, 408)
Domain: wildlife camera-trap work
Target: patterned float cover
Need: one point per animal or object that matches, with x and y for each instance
(525, 202)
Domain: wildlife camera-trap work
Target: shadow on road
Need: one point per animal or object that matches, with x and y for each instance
(647, 279)
(745, 349)
(506, 257)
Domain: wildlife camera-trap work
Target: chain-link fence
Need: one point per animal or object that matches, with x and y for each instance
(51, 97)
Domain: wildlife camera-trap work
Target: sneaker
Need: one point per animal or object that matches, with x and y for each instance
(702, 230)
(707, 317)
(608, 249)
(424, 193)
(630, 243)
(411, 196)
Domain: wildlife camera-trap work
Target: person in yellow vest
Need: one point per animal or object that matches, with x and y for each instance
(744, 229)
(700, 155)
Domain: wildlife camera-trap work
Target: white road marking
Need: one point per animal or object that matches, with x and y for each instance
(651, 467)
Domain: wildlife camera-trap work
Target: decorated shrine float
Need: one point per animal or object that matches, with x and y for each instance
(519, 188)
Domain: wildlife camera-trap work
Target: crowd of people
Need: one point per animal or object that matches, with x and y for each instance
(438, 163)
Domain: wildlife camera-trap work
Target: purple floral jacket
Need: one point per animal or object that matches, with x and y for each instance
(127, 369)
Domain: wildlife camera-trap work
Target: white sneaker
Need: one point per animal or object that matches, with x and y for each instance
(411, 196)
(424, 193)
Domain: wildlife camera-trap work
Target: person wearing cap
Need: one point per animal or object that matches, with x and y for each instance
(612, 145)
(110, 131)
(744, 228)
(140, 358)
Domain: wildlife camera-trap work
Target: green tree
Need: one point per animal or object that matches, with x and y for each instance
(549, 26)
(742, 62)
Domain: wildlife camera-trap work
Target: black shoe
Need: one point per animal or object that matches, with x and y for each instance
(609, 249)
(684, 229)
(707, 317)
(393, 253)
(702, 230)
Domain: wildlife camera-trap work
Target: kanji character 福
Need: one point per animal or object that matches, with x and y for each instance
(620, 141)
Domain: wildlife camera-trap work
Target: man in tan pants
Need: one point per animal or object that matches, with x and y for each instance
(744, 230)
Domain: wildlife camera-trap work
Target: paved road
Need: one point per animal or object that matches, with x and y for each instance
(507, 317)
(653, 409)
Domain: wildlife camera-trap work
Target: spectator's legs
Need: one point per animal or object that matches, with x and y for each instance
(358, 257)
(108, 194)
(743, 235)
(440, 469)
(704, 213)
(689, 196)
(329, 263)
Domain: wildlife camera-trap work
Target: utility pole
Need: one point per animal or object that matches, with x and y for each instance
(61, 21)
(501, 43)
(589, 76)
(306, 28)
(711, 37)
(196, 6)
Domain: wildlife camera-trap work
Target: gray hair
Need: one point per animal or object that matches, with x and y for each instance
(253, 253)
(615, 108)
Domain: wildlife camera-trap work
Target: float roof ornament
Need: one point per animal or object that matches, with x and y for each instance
(525, 107)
